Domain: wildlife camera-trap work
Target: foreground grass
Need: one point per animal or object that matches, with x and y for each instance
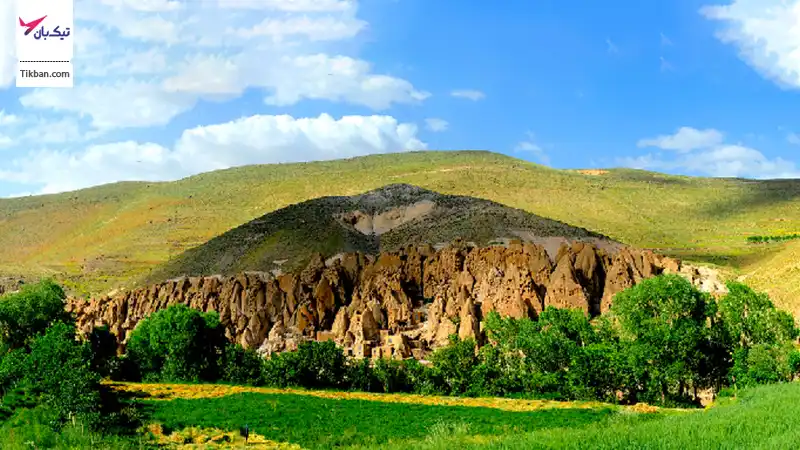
(326, 419)
(320, 423)
(172, 391)
(110, 235)
(203, 416)
(766, 417)
(28, 429)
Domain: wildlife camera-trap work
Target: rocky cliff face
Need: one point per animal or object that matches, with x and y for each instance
(397, 304)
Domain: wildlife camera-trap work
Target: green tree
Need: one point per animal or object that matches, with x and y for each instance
(662, 323)
(177, 344)
(312, 365)
(57, 373)
(757, 336)
(762, 364)
(241, 366)
(454, 364)
(750, 318)
(26, 314)
(104, 351)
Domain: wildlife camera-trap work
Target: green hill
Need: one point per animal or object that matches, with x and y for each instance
(112, 235)
(385, 219)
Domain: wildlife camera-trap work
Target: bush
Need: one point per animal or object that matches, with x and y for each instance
(361, 377)
(314, 364)
(762, 364)
(104, 351)
(749, 318)
(240, 366)
(453, 366)
(176, 344)
(392, 376)
(28, 313)
(57, 373)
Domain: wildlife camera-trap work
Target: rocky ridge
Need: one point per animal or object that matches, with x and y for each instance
(397, 304)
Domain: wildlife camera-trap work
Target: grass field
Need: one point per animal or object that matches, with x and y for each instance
(767, 417)
(111, 235)
(326, 419)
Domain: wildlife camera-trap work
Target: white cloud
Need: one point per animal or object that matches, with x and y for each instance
(24, 132)
(470, 94)
(145, 5)
(122, 104)
(141, 63)
(322, 29)
(7, 119)
(293, 78)
(766, 33)
(704, 152)
(684, 140)
(528, 146)
(665, 41)
(793, 138)
(157, 58)
(251, 140)
(436, 125)
(290, 5)
(8, 49)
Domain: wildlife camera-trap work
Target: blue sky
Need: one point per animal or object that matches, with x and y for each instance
(168, 88)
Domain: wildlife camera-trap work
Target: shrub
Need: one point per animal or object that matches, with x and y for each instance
(26, 314)
(421, 378)
(313, 365)
(177, 344)
(240, 366)
(762, 364)
(748, 318)
(392, 375)
(57, 373)
(361, 377)
(104, 351)
(453, 366)
(497, 373)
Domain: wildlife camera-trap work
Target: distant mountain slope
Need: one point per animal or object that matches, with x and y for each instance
(110, 235)
(385, 219)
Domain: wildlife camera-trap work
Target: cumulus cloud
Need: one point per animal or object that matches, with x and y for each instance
(142, 63)
(436, 125)
(705, 152)
(8, 49)
(684, 140)
(469, 94)
(249, 140)
(530, 147)
(7, 119)
(766, 34)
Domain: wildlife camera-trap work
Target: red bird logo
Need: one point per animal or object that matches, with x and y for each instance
(30, 25)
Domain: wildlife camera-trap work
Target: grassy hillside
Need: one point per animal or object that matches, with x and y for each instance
(110, 235)
(287, 238)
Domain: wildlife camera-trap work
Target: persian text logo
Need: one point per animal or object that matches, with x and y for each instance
(42, 33)
(44, 42)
